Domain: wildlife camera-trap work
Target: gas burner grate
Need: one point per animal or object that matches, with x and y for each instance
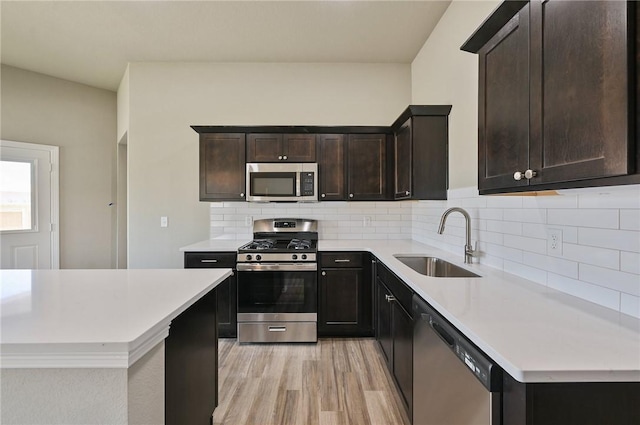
(261, 244)
(299, 244)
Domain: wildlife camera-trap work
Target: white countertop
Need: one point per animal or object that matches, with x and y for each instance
(536, 334)
(215, 245)
(92, 318)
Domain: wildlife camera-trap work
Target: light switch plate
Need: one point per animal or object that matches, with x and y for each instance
(164, 221)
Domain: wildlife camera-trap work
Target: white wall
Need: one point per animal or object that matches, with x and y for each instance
(442, 74)
(81, 120)
(166, 98)
(601, 227)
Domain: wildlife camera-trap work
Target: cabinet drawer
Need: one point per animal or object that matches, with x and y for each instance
(341, 259)
(397, 287)
(211, 260)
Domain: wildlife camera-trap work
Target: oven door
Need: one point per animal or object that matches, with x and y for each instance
(277, 292)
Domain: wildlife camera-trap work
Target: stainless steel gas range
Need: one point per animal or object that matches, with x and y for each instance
(277, 282)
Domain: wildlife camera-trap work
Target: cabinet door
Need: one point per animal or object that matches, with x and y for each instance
(222, 167)
(332, 160)
(503, 107)
(226, 294)
(403, 353)
(579, 89)
(367, 167)
(299, 147)
(264, 148)
(430, 157)
(402, 159)
(339, 312)
(383, 321)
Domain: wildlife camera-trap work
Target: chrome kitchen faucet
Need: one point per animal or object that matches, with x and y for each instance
(468, 249)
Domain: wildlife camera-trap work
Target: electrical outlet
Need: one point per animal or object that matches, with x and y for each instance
(554, 242)
(164, 221)
(366, 221)
(248, 220)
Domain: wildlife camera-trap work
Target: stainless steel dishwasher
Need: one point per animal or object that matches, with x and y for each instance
(454, 383)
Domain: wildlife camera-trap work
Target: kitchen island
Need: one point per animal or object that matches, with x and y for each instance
(97, 346)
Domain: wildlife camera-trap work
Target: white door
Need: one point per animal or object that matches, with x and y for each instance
(29, 235)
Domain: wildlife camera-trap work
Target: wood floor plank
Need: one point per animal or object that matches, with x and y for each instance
(333, 382)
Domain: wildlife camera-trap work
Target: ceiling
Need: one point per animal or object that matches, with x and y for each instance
(91, 42)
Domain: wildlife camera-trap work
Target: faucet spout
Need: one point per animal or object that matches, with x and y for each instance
(468, 249)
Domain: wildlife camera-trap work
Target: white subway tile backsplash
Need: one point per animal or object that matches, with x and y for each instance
(603, 219)
(594, 293)
(630, 305)
(600, 227)
(624, 240)
(602, 257)
(630, 262)
(630, 219)
(628, 283)
(561, 201)
(526, 244)
(552, 264)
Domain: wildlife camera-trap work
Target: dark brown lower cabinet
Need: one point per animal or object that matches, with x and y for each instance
(345, 295)
(570, 403)
(394, 331)
(191, 365)
(226, 292)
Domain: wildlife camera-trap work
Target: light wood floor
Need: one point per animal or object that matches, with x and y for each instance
(336, 381)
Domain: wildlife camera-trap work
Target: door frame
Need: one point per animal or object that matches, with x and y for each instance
(54, 156)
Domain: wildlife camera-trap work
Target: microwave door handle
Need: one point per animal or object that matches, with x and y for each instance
(298, 182)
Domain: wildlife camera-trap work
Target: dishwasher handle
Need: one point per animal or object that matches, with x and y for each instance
(442, 333)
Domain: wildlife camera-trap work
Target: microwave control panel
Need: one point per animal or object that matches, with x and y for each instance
(307, 183)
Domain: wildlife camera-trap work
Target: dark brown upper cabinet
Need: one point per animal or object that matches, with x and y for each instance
(222, 167)
(557, 83)
(332, 161)
(421, 153)
(367, 167)
(281, 147)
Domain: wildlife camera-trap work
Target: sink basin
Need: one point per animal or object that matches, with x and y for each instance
(435, 267)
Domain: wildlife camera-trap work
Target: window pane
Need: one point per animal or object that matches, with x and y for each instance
(15, 195)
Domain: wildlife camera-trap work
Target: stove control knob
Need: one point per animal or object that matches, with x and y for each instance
(304, 256)
(258, 257)
(249, 257)
(294, 257)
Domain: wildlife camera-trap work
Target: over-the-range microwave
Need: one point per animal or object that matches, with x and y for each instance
(282, 182)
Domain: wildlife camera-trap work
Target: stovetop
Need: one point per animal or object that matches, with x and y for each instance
(274, 245)
(281, 240)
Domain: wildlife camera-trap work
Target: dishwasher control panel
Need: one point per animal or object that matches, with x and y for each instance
(481, 369)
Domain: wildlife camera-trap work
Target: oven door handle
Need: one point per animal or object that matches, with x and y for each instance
(284, 267)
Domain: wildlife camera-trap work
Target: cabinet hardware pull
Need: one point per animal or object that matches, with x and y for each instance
(279, 156)
(208, 261)
(407, 193)
(277, 328)
(519, 175)
(351, 195)
(324, 273)
(390, 298)
(284, 157)
(242, 195)
(342, 261)
(323, 195)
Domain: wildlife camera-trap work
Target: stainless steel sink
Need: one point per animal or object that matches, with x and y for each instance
(435, 267)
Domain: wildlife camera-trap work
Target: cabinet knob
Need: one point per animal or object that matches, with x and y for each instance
(324, 273)
(351, 195)
(279, 156)
(284, 157)
(407, 193)
(519, 175)
(242, 195)
(323, 195)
